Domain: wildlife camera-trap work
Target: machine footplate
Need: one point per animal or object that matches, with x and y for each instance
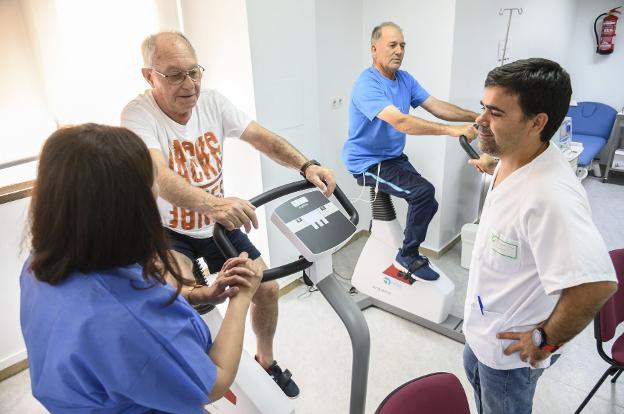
(395, 273)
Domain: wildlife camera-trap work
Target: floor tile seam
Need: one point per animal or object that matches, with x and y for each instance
(586, 392)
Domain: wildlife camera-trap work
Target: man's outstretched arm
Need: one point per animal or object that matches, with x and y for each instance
(448, 111)
(412, 125)
(284, 153)
(231, 212)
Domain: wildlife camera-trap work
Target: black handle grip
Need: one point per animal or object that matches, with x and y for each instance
(346, 204)
(227, 248)
(468, 148)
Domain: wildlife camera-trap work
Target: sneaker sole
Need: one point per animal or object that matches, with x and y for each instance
(413, 276)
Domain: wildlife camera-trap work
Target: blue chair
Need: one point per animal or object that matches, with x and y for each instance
(591, 125)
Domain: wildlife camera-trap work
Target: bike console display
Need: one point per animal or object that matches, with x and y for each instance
(313, 224)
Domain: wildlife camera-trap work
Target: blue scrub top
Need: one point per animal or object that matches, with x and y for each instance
(372, 140)
(105, 342)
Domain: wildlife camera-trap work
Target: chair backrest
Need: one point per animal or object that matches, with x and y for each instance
(436, 393)
(592, 118)
(612, 313)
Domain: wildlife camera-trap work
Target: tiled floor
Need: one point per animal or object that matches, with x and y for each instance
(313, 344)
(401, 350)
(15, 396)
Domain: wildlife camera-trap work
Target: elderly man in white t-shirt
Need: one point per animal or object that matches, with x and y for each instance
(184, 127)
(540, 270)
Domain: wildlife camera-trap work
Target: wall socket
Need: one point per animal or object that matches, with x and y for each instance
(336, 103)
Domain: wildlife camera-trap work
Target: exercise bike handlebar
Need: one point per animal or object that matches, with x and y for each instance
(227, 248)
(463, 141)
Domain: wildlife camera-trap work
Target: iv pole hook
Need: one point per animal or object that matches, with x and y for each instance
(500, 13)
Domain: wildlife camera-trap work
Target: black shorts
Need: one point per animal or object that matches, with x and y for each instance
(207, 248)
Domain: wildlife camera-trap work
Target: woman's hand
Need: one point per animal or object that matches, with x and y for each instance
(238, 274)
(251, 270)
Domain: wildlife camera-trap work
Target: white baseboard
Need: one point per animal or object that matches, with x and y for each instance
(285, 281)
(12, 359)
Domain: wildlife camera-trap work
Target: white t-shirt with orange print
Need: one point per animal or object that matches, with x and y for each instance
(194, 151)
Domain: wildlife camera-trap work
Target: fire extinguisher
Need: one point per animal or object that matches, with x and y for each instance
(606, 43)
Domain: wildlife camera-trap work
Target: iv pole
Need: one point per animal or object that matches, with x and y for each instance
(500, 13)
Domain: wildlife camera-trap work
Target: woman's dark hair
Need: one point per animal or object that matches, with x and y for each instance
(541, 86)
(93, 207)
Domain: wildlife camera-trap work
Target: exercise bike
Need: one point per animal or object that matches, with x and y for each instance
(379, 283)
(317, 228)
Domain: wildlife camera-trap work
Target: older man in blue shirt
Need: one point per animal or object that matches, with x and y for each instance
(378, 121)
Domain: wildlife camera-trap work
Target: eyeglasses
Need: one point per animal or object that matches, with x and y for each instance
(176, 78)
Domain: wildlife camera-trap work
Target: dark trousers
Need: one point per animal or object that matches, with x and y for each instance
(399, 178)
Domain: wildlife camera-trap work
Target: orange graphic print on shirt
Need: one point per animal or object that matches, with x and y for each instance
(199, 163)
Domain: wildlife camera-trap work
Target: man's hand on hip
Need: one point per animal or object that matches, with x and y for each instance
(233, 212)
(322, 178)
(528, 351)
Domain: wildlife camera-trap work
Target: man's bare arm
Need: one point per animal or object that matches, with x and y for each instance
(577, 306)
(282, 152)
(412, 125)
(448, 111)
(231, 212)
(176, 190)
(274, 146)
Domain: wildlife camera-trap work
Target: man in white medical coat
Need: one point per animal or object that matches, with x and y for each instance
(540, 270)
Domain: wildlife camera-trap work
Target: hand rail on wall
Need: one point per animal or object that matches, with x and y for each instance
(19, 190)
(20, 161)
(16, 191)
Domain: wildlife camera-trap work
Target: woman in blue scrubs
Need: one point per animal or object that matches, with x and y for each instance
(103, 330)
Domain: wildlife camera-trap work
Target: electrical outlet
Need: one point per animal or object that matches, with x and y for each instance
(336, 103)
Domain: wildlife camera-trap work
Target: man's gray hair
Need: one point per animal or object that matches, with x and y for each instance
(377, 30)
(148, 47)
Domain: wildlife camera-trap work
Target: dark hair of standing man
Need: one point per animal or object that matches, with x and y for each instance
(542, 86)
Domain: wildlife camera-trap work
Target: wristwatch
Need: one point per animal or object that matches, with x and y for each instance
(305, 166)
(539, 340)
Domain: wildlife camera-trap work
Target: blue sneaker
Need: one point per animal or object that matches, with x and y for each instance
(418, 268)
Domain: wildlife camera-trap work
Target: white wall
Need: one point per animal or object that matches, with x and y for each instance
(542, 30)
(13, 224)
(338, 52)
(89, 71)
(218, 31)
(285, 85)
(24, 114)
(596, 77)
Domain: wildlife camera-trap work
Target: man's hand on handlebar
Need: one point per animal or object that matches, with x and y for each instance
(486, 163)
(233, 212)
(467, 130)
(322, 178)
